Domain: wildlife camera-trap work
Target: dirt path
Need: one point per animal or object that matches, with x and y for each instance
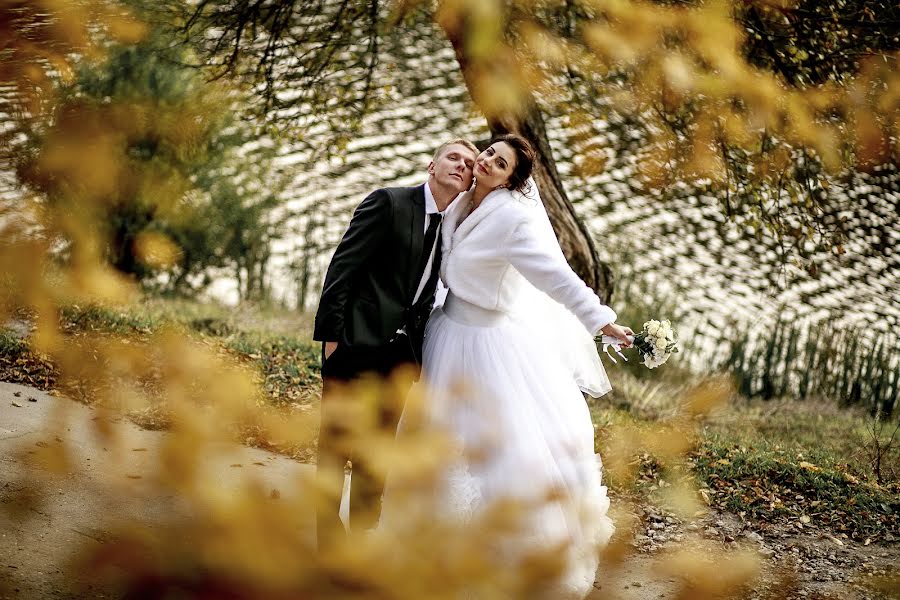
(34, 545)
(101, 480)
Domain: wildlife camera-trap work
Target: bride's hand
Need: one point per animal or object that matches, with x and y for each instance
(617, 331)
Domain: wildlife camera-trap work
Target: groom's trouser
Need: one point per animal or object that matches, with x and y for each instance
(340, 426)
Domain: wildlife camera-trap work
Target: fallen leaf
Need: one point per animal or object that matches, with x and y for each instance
(16, 404)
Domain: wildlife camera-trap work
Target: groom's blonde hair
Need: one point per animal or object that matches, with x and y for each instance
(440, 150)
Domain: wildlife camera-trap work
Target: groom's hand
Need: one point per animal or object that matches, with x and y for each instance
(617, 331)
(330, 347)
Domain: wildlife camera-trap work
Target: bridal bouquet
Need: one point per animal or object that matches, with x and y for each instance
(655, 343)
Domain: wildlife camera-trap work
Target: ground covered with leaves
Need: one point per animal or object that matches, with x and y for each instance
(778, 485)
(779, 470)
(791, 481)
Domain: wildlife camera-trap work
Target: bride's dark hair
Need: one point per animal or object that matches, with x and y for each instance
(518, 179)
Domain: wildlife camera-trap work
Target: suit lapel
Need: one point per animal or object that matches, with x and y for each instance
(416, 239)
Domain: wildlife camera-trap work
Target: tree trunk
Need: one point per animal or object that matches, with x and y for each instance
(573, 235)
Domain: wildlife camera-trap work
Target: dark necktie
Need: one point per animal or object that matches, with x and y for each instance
(434, 226)
(435, 265)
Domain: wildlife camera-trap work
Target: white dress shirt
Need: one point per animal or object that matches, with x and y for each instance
(430, 209)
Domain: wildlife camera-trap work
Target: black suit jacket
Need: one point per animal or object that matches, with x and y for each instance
(374, 273)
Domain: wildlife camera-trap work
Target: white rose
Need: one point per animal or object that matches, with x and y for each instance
(661, 343)
(653, 328)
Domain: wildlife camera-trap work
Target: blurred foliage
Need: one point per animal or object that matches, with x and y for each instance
(242, 540)
(766, 103)
(830, 97)
(243, 198)
(163, 177)
(234, 538)
(284, 368)
(40, 41)
(659, 450)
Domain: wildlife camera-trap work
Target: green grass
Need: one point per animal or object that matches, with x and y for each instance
(151, 313)
(10, 344)
(788, 460)
(817, 433)
(767, 484)
(794, 463)
(106, 320)
(290, 367)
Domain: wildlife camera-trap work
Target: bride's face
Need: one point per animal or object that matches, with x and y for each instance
(494, 166)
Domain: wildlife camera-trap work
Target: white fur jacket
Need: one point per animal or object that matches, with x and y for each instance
(486, 256)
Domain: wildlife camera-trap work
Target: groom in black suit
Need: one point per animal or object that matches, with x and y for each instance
(378, 293)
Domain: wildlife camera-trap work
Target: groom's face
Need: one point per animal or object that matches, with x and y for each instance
(453, 168)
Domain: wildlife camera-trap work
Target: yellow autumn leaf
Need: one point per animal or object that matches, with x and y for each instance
(125, 29)
(156, 250)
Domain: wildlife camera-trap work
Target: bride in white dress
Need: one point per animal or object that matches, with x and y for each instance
(506, 361)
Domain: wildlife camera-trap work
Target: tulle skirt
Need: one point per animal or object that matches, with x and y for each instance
(522, 432)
